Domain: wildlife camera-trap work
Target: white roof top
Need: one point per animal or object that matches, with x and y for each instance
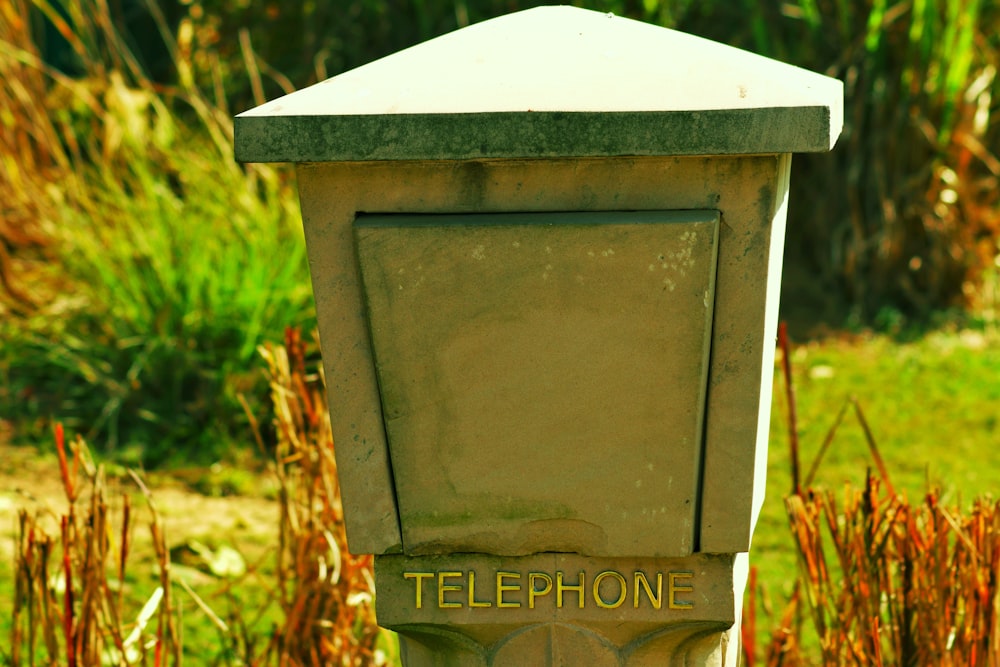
(549, 82)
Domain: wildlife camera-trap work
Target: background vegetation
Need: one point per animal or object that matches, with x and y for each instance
(164, 263)
(99, 579)
(143, 267)
(903, 218)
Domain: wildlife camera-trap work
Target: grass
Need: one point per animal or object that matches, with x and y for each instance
(88, 589)
(172, 294)
(826, 373)
(931, 404)
(171, 262)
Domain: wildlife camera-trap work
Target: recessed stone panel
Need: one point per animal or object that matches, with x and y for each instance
(543, 376)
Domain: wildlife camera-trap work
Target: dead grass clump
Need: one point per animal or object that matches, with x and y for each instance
(72, 605)
(69, 606)
(889, 583)
(882, 581)
(325, 592)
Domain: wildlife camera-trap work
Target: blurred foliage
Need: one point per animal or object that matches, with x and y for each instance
(167, 263)
(903, 215)
(137, 258)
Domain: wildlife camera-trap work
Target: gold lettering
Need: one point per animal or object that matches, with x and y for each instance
(622, 590)
(673, 588)
(680, 585)
(534, 591)
(419, 576)
(443, 588)
(473, 602)
(643, 583)
(501, 587)
(560, 587)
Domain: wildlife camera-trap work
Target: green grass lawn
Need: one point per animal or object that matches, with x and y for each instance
(933, 406)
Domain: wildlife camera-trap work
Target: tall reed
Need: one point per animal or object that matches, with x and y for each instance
(883, 581)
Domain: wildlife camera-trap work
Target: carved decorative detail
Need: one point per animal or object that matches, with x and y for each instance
(683, 645)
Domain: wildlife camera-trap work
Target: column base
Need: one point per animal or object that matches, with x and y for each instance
(559, 609)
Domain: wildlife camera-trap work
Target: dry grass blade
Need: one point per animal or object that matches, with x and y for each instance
(793, 423)
(827, 441)
(888, 583)
(209, 612)
(873, 447)
(326, 593)
(74, 616)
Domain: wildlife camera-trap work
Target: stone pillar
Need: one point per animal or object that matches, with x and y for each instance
(546, 252)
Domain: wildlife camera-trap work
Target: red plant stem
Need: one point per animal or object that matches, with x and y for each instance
(873, 448)
(68, 595)
(876, 643)
(123, 553)
(63, 465)
(29, 552)
(793, 422)
(749, 625)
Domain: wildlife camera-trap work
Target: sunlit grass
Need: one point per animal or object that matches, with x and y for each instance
(933, 404)
(933, 407)
(170, 263)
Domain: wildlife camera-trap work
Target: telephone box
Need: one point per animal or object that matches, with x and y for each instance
(546, 252)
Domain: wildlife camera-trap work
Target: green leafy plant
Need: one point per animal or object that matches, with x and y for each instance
(174, 262)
